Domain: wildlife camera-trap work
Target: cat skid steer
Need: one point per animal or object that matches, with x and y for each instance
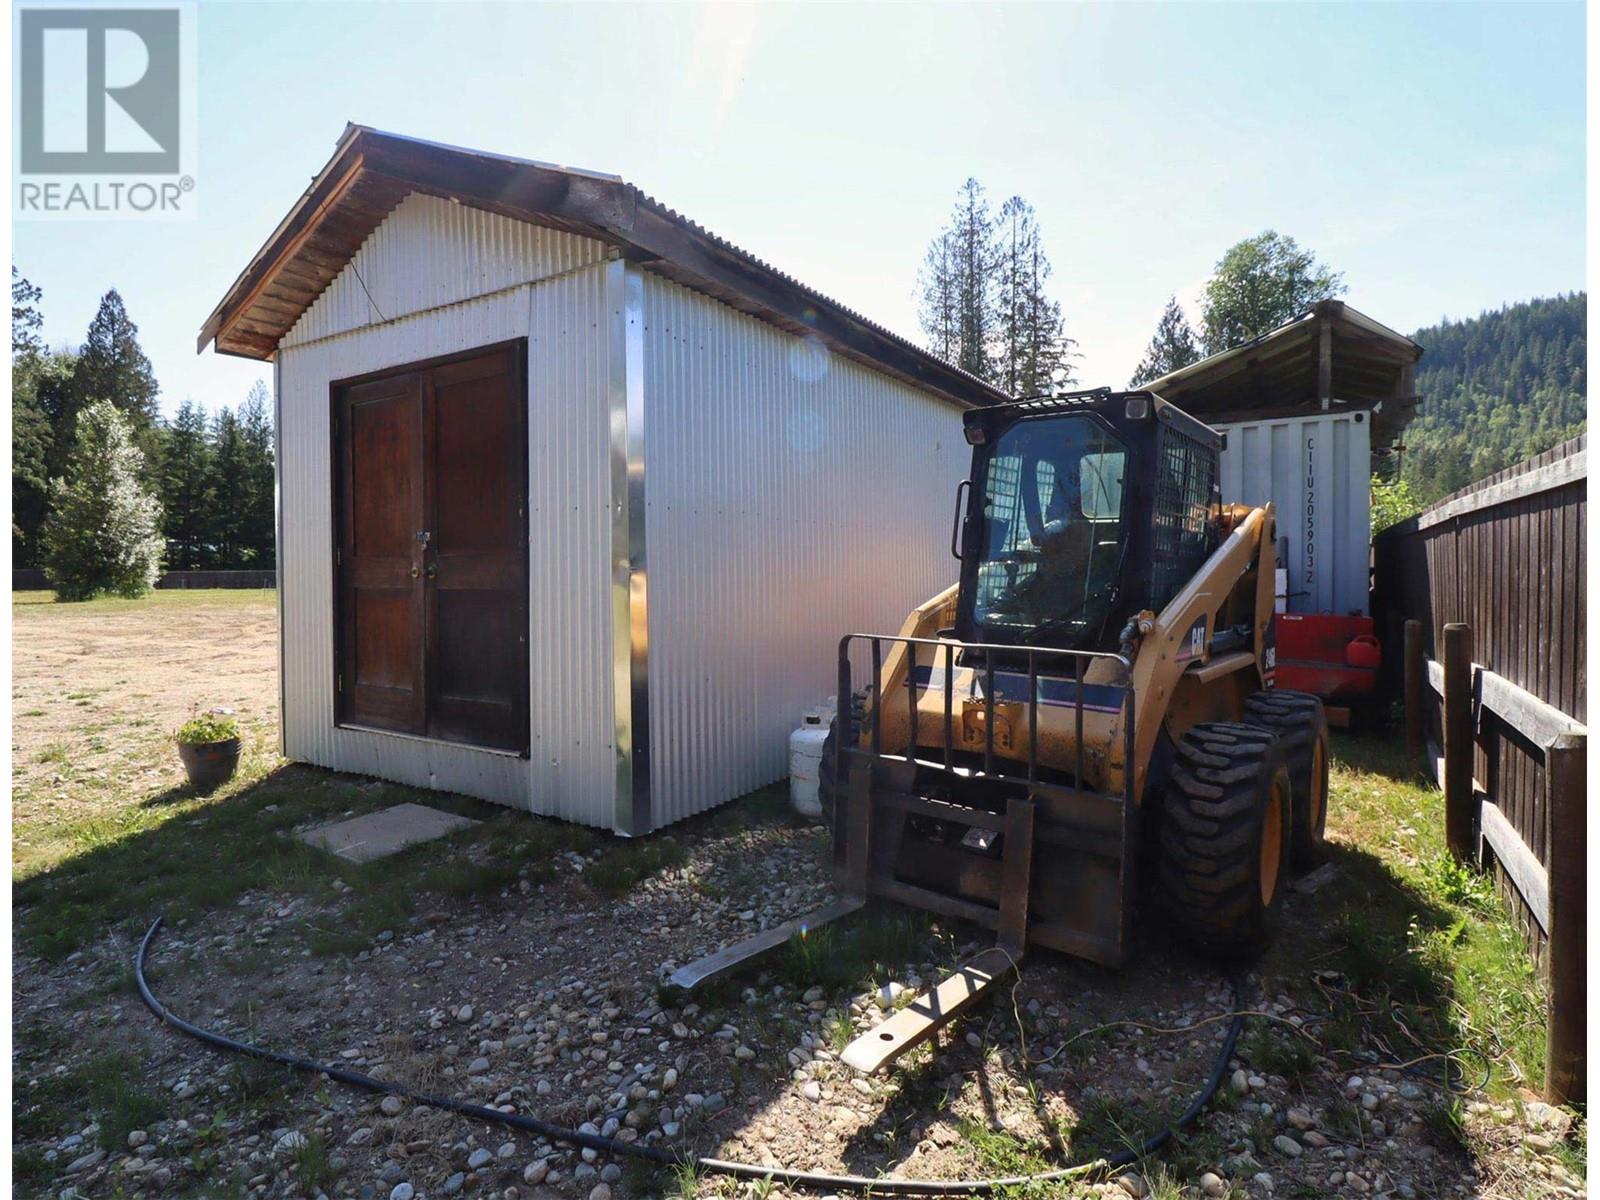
(1089, 708)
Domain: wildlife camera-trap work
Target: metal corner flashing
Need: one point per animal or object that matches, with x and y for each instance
(630, 642)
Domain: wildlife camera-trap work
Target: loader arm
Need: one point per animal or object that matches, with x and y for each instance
(1175, 656)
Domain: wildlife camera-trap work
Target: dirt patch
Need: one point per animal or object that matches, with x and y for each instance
(95, 686)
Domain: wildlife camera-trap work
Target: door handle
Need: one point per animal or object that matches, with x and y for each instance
(415, 570)
(432, 571)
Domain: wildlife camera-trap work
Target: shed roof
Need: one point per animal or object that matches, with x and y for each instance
(372, 171)
(1330, 357)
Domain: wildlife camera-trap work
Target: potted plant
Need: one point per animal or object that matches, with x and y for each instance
(208, 745)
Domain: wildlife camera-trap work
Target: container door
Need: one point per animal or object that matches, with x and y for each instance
(477, 567)
(378, 565)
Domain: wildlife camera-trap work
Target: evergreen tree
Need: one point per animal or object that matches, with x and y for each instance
(1496, 389)
(112, 367)
(186, 488)
(229, 488)
(30, 430)
(1033, 353)
(982, 300)
(972, 250)
(26, 319)
(258, 526)
(936, 298)
(1173, 347)
(103, 533)
(38, 381)
(1047, 351)
(1259, 284)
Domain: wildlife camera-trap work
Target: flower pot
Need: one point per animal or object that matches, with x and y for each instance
(209, 765)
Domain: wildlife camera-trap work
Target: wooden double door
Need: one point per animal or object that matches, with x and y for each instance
(431, 549)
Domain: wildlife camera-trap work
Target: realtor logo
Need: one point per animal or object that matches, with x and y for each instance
(106, 93)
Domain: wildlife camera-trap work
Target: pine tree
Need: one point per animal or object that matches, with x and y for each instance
(258, 525)
(972, 249)
(229, 488)
(1259, 284)
(936, 303)
(982, 299)
(1496, 389)
(1173, 347)
(38, 381)
(30, 429)
(112, 367)
(186, 487)
(26, 319)
(103, 533)
(1046, 350)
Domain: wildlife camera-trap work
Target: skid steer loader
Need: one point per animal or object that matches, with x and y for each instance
(1090, 705)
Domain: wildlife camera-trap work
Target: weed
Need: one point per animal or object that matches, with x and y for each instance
(310, 1165)
(854, 956)
(106, 1086)
(29, 1167)
(839, 1031)
(1457, 883)
(1446, 1124)
(1002, 1153)
(623, 866)
(1105, 1126)
(686, 1180)
(1278, 1052)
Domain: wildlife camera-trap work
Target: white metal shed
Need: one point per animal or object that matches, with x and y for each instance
(573, 497)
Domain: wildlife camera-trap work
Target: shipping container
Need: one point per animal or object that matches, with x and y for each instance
(1317, 470)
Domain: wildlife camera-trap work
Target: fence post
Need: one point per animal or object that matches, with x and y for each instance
(1567, 1044)
(1415, 683)
(1458, 745)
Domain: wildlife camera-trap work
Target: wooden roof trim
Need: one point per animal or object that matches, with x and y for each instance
(260, 270)
(598, 206)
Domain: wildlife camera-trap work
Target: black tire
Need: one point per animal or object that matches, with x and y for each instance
(1302, 727)
(1224, 850)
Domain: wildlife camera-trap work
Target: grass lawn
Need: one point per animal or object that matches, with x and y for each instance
(1401, 952)
(107, 834)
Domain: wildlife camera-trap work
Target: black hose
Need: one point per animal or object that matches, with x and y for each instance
(713, 1166)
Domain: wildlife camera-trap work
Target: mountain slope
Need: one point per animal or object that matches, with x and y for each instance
(1496, 389)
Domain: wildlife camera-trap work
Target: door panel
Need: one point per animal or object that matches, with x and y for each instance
(479, 596)
(380, 598)
(433, 583)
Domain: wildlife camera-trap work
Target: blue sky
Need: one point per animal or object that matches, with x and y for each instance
(1432, 152)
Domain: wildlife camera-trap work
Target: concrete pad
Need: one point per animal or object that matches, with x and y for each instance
(386, 832)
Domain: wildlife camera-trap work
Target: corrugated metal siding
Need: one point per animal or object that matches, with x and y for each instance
(792, 496)
(429, 252)
(1317, 470)
(571, 769)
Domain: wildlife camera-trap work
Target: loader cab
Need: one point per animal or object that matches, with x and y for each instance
(1082, 510)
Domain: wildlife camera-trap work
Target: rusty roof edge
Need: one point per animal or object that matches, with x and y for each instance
(619, 221)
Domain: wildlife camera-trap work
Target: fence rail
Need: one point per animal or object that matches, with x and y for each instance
(1486, 591)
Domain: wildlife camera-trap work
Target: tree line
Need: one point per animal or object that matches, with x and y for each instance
(982, 301)
(1496, 389)
(92, 454)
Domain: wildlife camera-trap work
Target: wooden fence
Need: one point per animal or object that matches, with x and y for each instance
(1486, 592)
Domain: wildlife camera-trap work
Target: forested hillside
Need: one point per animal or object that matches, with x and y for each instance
(1496, 389)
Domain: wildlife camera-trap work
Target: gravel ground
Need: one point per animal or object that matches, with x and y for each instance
(546, 999)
